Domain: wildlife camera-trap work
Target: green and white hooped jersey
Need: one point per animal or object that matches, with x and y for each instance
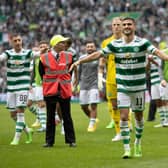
(18, 70)
(130, 61)
(154, 71)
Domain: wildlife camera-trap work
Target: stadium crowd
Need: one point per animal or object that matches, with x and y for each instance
(37, 20)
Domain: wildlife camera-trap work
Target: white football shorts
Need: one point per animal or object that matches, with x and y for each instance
(135, 101)
(17, 99)
(89, 96)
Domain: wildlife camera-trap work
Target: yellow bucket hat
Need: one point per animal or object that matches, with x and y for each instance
(57, 39)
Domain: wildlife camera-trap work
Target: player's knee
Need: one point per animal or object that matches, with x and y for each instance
(94, 106)
(138, 116)
(114, 104)
(84, 108)
(115, 107)
(124, 117)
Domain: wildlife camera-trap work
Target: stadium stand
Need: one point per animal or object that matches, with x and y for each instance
(37, 20)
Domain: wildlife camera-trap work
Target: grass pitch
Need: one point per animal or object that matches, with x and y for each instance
(94, 150)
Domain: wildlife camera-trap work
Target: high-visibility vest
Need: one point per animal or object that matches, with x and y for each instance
(57, 79)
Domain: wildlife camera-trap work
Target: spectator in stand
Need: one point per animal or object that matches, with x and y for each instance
(71, 17)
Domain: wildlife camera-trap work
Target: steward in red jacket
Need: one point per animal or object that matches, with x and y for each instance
(54, 71)
(57, 79)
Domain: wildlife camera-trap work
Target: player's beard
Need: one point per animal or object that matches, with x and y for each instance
(127, 32)
(18, 48)
(90, 51)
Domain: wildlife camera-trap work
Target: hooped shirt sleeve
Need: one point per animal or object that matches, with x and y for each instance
(3, 56)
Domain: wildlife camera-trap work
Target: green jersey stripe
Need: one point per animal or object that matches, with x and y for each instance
(154, 70)
(156, 82)
(19, 89)
(132, 82)
(17, 74)
(130, 71)
(156, 76)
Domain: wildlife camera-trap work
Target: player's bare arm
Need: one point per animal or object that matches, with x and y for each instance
(89, 58)
(161, 54)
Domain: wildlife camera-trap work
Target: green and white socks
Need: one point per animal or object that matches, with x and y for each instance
(20, 125)
(42, 116)
(125, 133)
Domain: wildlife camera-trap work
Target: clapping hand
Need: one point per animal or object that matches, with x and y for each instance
(75, 64)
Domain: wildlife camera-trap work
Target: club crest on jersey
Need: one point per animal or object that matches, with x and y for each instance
(136, 49)
(23, 57)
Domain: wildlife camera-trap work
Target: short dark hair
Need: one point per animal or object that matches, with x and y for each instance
(43, 42)
(69, 41)
(90, 40)
(15, 34)
(128, 18)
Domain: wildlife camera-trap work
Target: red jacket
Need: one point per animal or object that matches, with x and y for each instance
(57, 78)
